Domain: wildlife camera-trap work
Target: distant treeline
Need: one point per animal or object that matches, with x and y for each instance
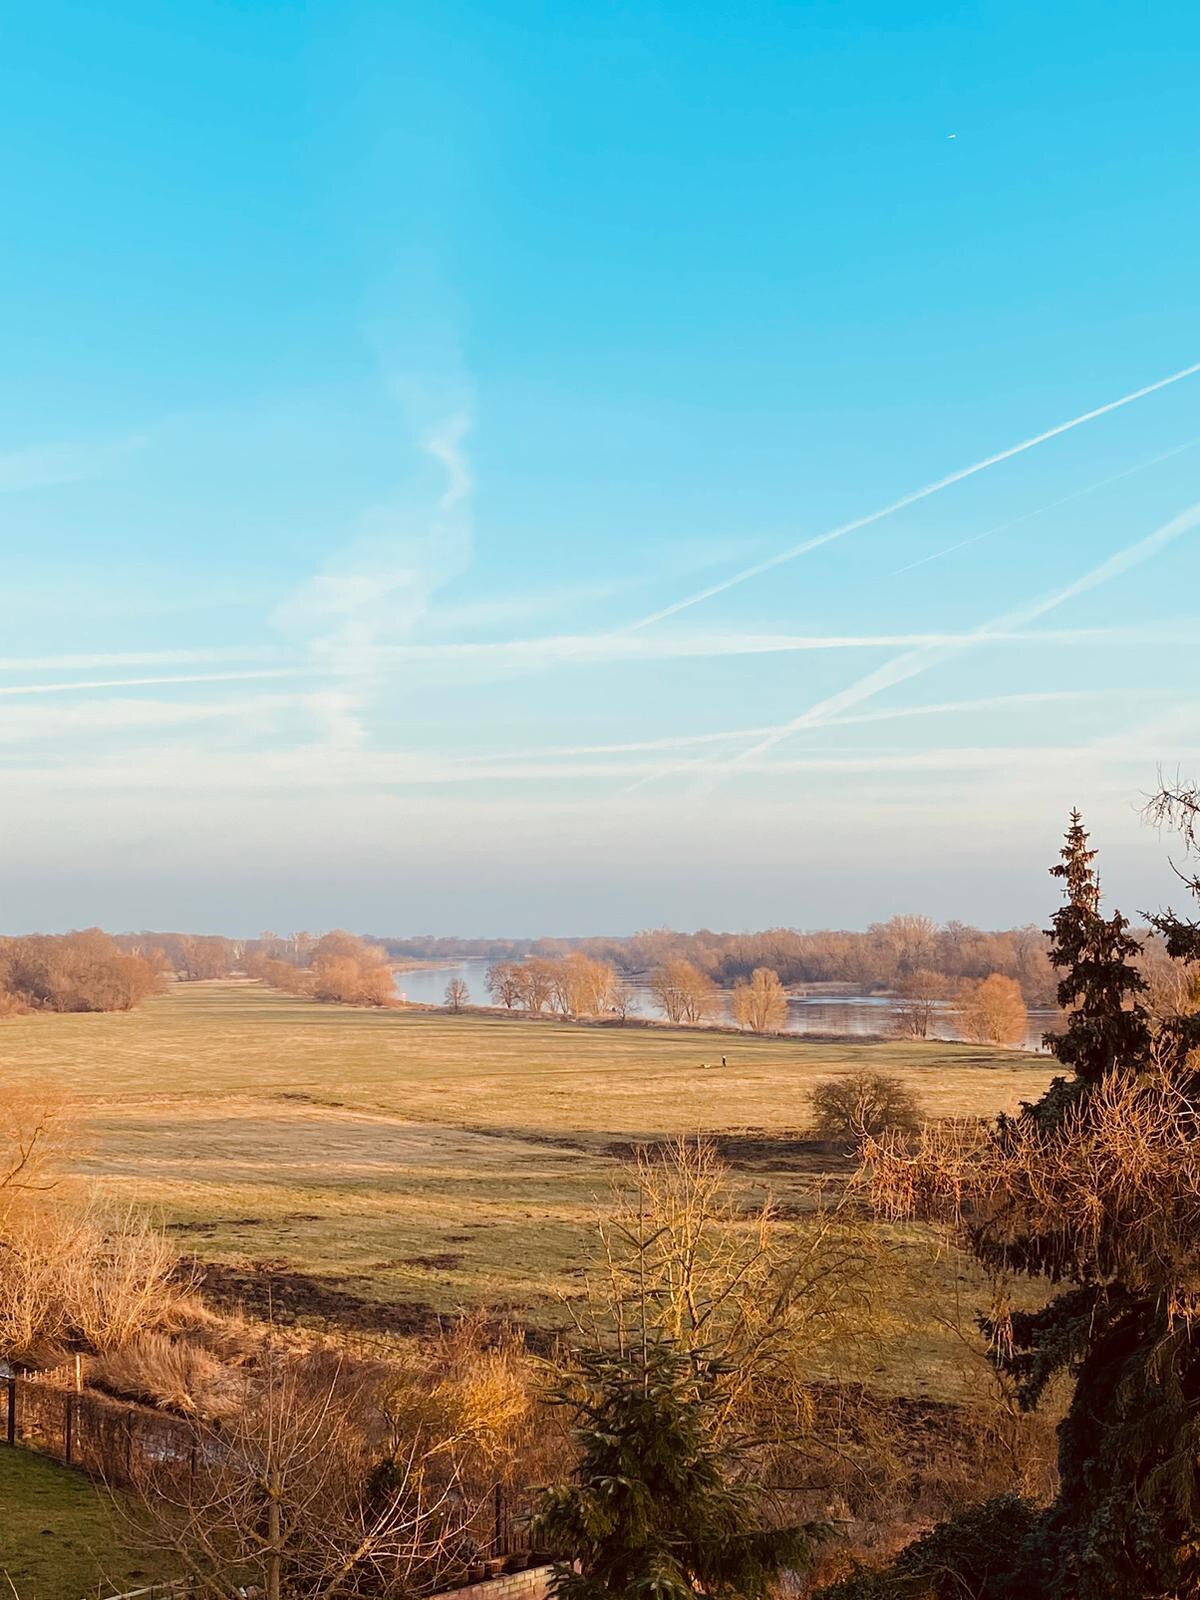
(883, 957)
(186, 956)
(428, 947)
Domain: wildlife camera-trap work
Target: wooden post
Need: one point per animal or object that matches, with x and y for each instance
(12, 1411)
(68, 1426)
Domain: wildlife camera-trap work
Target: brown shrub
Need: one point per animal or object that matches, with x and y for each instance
(863, 1104)
(175, 1374)
(73, 972)
(84, 1279)
(993, 1012)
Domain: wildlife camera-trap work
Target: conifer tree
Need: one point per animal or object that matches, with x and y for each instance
(651, 1512)
(1125, 1524)
(1107, 1028)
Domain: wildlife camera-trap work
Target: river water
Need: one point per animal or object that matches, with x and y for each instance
(857, 1015)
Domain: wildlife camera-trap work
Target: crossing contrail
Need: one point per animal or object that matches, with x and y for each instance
(913, 662)
(771, 562)
(1052, 505)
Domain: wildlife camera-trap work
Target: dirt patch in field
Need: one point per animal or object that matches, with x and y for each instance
(213, 1224)
(273, 1290)
(755, 1150)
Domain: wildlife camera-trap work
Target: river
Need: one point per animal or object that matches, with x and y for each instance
(855, 1015)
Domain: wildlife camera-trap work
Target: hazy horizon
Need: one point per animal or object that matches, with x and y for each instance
(473, 468)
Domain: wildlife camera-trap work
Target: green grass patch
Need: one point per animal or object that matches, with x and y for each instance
(61, 1538)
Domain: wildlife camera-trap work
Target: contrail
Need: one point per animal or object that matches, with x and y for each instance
(1053, 505)
(912, 662)
(684, 741)
(771, 562)
(143, 683)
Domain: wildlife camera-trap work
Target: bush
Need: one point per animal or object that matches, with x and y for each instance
(178, 1375)
(863, 1104)
(83, 1281)
(958, 1560)
(72, 972)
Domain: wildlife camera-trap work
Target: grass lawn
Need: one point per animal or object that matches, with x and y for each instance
(60, 1537)
(427, 1158)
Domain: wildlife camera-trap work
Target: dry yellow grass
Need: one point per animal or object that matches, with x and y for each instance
(420, 1157)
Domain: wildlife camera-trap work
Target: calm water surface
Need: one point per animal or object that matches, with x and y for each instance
(853, 1014)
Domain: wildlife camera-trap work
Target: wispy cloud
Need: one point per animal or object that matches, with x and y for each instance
(233, 772)
(589, 649)
(377, 589)
(47, 466)
(805, 546)
(379, 585)
(116, 716)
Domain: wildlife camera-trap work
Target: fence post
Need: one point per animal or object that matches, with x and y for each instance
(68, 1427)
(12, 1410)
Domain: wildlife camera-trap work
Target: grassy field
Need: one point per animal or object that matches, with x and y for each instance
(423, 1158)
(60, 1536)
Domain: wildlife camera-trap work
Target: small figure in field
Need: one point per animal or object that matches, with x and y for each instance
(724, 1063)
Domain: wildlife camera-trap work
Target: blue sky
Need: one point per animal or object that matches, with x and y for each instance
(403, 409)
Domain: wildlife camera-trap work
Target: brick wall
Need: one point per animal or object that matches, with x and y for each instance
(532, 1584)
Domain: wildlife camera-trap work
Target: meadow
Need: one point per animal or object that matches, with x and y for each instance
(379, 1166)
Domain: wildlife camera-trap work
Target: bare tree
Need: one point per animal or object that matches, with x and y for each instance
(582, 985)
(760, 1005)
(538, 979)
(689, 1255)
(684, 993)
(919, 994)
(308, 1492)
(994, 1012)
(457, 994)
(622, 1000)
(504, 983)
(33, 1131)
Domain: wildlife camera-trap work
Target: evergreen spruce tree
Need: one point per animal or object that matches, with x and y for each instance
(1107, 1028)
(651, 1512)
(1125, 1524)
(1115, 1529)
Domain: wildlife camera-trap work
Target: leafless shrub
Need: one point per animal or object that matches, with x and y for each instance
(310, 1491)
(688, 1254)
(862, 1104)
(84, 1278)
(1112, 1192)
(34, 1135)
(175, 1374)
